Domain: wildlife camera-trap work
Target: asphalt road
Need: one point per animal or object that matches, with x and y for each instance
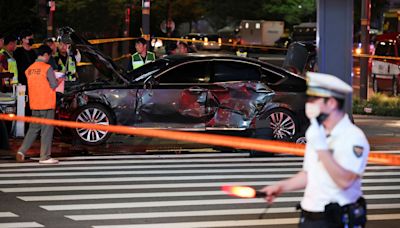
(167, 191)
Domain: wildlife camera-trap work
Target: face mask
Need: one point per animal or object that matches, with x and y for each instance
(313, 111)
(31, 42)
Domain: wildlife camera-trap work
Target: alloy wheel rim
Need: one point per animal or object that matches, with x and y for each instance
(94, 116)
(282, 124)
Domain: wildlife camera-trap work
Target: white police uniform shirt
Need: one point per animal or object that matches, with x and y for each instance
(350, 149)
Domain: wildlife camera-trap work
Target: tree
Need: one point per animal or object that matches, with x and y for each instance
(16, 15)
(91, 17)
(292, 11)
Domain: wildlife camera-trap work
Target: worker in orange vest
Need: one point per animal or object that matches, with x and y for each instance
(42, 85)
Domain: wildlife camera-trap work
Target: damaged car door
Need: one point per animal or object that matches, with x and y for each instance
(175, 98)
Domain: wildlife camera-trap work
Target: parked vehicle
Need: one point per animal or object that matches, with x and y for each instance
(205, 41)
(204, 93)
(260, 32)
(301, 57)
(385, 71)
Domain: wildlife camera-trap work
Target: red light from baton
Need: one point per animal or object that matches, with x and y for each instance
(242, 191)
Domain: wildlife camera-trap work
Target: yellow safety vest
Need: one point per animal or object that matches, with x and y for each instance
(241, 54)
(137, 60)
(12, 66)
(71, 67)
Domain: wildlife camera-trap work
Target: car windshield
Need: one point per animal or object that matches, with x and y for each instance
(212, 37)
(148, 69)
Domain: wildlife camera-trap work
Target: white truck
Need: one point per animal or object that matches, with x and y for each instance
(260, 32)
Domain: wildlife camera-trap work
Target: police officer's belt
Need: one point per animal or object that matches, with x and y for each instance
(313, 215)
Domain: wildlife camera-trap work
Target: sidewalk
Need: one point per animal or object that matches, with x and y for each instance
(383, 133)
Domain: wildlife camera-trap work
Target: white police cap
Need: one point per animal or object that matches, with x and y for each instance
(326, 85)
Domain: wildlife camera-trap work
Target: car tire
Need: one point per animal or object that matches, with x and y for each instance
(283, 123)
(92, 113)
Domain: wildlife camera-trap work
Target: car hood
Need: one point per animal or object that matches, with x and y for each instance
(110, 71)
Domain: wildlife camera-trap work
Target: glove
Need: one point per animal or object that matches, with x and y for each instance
(316, 136)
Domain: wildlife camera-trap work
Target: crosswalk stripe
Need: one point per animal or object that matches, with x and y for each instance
(237, 223)
(155, 194)
(202, 155)
(232, 223)
(130, 186)
(185, 203)
(255, 211)
(157, 186)
(189, 171)
(147, 161)
(7, 215)
(20, 225)
(168, 178)
(169, 166)
(137, 172)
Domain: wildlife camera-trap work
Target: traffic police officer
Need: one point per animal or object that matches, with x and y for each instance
(142, 56)
(335, 159)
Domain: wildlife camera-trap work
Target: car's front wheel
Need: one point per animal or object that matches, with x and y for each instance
(282, 123)
(95, 114)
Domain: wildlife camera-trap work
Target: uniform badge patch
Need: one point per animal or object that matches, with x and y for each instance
(358, 151)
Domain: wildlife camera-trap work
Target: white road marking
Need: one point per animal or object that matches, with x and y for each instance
(151, 161)
(186, 203)
(20, 225)
(191, 171)
(156, 194)
(171, 166)
(256, 211)
(172, 178)
(237, 223)
(7, 215)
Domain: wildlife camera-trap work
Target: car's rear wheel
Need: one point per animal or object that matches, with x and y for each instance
(95, 114)
(282, 123)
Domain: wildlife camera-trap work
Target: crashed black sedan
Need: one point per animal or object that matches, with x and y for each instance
(204, 93)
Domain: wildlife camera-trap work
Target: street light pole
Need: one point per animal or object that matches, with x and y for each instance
(365, 20)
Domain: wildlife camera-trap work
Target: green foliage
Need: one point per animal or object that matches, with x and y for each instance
(380, 105)
(16, 15)
(292, 11)
(97, 18)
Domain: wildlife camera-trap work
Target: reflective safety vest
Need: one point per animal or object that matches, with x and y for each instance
(41, 95)
(241, 54)
(12, 67)
(137, 60)
(70, 66)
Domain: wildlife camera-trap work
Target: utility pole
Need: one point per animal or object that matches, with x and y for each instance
(52, 9)
(365, 20)
(146, 19)
(169, 18)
